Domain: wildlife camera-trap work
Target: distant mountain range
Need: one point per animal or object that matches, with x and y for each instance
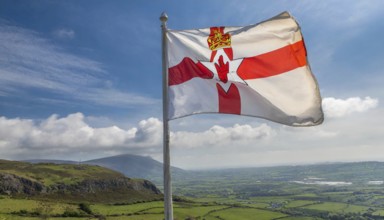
(133, 166)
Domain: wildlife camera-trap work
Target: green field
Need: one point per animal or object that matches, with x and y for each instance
(241, 194)
(265, 208)
(246, 213)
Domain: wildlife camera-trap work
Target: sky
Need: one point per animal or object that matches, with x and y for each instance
(81, 80)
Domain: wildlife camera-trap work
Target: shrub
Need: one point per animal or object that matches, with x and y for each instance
(85, 208)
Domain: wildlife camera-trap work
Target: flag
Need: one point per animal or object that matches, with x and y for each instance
(258, 70)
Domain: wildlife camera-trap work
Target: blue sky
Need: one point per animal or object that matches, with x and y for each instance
(82, 79)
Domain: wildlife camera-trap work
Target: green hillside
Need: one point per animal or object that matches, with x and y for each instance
(350, 191)
(72, 182)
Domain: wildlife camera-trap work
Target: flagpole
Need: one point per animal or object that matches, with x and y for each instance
(168, 209)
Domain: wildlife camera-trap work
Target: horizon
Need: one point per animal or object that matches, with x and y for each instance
(206, 168)
(82, 80)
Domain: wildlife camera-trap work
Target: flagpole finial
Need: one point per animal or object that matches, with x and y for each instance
(163, 17)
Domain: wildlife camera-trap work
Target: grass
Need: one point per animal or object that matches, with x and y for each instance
(49, 174)
(125, 209)
(9, 205)
(246, 213)
(196, 211)
(299, 203)
(76, 183)
(307, 195)
(379, 212)
(219, 197)
(13, 217)
(182, 210)
(337, 207)
(14, 205)
(19, 208)
(299, 218)
(139, 217)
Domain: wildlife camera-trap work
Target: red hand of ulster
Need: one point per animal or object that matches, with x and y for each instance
(222, 69)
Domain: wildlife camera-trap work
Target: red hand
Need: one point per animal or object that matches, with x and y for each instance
(222, 70)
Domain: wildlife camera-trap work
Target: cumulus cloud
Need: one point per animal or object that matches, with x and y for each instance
(72, 134)
(336, 108)
(218, 136)
(150, 131)
(22, 138)
(73, 137)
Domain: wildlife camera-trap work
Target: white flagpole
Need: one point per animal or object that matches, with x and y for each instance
(168, 210)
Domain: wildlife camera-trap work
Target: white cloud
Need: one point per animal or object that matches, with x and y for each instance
(64, 33)
(71, 134)
(247, 144)
(114, 97)
(29, 61)
(218, 136)
(334, 141)
(335, 108)
(150, 131)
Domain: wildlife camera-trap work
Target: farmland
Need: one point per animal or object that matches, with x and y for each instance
(287, 193)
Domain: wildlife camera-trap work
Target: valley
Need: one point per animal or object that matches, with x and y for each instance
(322, 191)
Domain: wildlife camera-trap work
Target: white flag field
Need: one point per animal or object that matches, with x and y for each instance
(258, 70)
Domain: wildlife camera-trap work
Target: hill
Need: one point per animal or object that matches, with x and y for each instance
(73, 182)
(51, 161)
(135, 166)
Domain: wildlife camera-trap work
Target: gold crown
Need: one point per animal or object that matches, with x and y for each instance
(217, 39)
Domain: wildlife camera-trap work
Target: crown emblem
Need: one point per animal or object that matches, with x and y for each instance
(217, 39)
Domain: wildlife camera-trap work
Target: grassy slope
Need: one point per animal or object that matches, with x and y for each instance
(49, 174)
(72, 174)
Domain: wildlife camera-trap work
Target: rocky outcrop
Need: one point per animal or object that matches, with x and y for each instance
(12, 184)
(100, 185)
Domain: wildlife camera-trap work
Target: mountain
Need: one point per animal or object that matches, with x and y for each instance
(51, 161)
(130, 165)
(73, 182)
(135, 166)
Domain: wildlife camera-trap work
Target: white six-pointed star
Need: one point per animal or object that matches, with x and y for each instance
(232, 75)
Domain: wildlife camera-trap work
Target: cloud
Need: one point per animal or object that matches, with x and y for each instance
(69, 137)
(114, 97)
(150, 131)
(64, 33)
(336, 108)
(218, 136)
(29, 61)
(25, 133)
(72, 134)
(73, 137)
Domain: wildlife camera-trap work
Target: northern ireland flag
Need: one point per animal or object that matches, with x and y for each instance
(258, 70)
